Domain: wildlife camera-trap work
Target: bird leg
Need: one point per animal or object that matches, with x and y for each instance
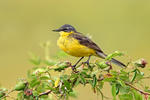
(88, 61)
(73, 67)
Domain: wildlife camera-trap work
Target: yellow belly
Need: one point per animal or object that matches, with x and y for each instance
(73, 47)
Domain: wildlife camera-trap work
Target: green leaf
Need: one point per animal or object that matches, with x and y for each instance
(35, 93)
(39, 71)
(94, 81)
(134, 76)
(83, 81)
(45, 77)
(20, 96)
(126, 97)
(34, 83)
(116, 53)
(73, 77)
(109, 79)
(67, 84)
(85, 75)
(62, 66)
(124, 90)
(121, 83)
(102, 65)
(77, 82)
(113, 90)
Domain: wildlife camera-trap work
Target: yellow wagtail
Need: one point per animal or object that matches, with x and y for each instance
(78, 45)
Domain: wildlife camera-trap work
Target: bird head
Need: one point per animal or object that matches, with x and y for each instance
(65, 28)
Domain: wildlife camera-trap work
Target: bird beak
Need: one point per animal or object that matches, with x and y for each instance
(57, 30)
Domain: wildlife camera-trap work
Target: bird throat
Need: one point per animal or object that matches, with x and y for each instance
(65, 33)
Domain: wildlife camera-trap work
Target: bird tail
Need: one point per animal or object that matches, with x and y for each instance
(102, 55)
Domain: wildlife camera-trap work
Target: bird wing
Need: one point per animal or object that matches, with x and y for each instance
(86, 41)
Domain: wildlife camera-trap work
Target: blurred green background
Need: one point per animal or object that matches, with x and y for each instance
(122, 25)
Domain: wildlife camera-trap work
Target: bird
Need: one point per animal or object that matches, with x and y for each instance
(77, 44)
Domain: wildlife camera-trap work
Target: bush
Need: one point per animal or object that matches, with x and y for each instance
(41, 85)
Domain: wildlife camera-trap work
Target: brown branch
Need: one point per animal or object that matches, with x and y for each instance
(141, 91)
(45, 93)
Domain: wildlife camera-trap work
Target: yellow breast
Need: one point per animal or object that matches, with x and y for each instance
(73, 47)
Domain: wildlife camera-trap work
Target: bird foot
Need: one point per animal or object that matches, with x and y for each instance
(74, 68)
(87, 62)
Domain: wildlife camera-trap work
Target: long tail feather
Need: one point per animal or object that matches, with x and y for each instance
(102, 55)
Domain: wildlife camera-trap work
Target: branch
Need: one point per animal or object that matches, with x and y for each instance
(45, 93)
(141, 91)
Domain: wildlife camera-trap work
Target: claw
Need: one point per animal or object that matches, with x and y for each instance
(88, 64)
(73, 67)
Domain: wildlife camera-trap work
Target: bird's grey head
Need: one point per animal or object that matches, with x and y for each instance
(65, 28)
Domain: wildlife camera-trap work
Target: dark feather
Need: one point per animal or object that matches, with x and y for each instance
(83, 40)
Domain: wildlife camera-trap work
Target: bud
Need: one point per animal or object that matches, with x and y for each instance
(141, 63)
(20, 86)
(28, 92)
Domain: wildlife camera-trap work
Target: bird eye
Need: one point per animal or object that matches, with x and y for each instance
(65, 29)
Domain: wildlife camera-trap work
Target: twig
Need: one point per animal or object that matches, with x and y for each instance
(7, 94)
(141, 91)
(45, 93)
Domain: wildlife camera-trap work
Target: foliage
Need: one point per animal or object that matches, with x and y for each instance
(41, 85)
